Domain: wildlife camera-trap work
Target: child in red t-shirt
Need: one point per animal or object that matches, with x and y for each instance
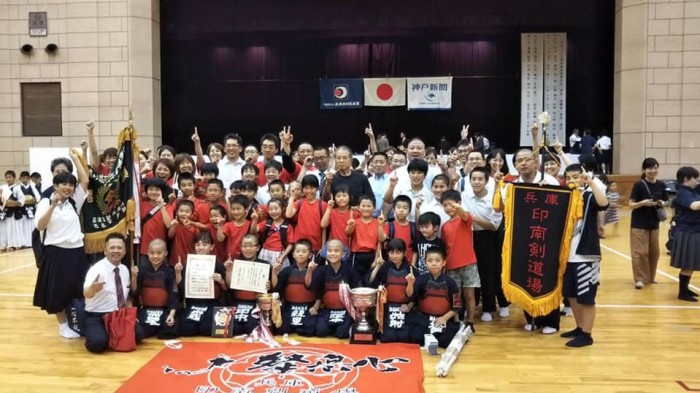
(401, 228)
(186, 185)
(217, 218)
(366, 236)
(215, 196)
(306, 214)
(209, 171)
(276, 235)
(182, 233)
(232, 232)
(461, 259)
(155, 219)
(337, 215)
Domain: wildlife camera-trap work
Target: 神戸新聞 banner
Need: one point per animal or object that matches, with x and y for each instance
(429, 93)
(539, 225)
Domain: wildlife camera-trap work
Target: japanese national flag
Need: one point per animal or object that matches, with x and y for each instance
(385, 92)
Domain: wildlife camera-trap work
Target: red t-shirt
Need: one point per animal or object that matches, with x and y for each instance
(273, 242)
(201, 212)
(200, 190)
(172, 207)
(338, 222)
(308, 222)
(234, 237)
(153, 229)
(182, 244)
(285, 176)
(365, 236)
(458, 238)
(402, 232)
(219, 247)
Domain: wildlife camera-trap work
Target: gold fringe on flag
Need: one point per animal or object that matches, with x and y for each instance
(542, 305)
(94, 242)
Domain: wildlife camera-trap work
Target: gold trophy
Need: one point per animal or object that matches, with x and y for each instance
(265, 306)
(363, 331)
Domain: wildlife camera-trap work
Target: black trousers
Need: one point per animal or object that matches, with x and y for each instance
(485, 250)
(500, 236)
(96, 338)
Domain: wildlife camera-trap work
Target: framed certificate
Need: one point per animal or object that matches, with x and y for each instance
(198, 276)
(250, 276)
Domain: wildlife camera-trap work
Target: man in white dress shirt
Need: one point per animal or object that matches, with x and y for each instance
(230, 165)
(106, 289)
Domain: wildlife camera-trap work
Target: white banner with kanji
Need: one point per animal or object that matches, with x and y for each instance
(429, 93)
(555, 86)
(531, 83)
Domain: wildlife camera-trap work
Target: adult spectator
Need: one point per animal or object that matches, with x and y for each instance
(604, 145)
(648, 195)
(215, 151)
(63, 263)
(356, 182)
(587, 142)
(379, 180)
(230, 165)
(444, 145)
(382, 143)
(106, 289)
(415, 151)
(322, 164)
(270, 146)
(686, 242)
(575, 142)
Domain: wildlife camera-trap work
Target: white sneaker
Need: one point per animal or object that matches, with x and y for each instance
(548, 330)
(504, 312)
(486, 317)
(528, 327)
(568, 311)
(66, 332)
(639, 285)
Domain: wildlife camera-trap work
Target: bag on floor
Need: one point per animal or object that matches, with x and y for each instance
(120, 326)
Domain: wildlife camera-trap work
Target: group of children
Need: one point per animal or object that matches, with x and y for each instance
(17, 206)
(426, 276)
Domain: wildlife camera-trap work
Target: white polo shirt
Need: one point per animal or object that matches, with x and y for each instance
(63, 229)
(482, 208)
(105, 300)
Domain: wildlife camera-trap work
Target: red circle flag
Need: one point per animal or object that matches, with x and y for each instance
(385, 91)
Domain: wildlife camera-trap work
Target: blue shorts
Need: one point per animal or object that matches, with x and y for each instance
(581, 281)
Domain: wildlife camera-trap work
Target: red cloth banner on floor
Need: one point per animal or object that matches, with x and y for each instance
(307, 368)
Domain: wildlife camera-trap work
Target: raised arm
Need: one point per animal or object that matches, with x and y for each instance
(372, 139)
(198, 150)
(92, 145)
(83, 178)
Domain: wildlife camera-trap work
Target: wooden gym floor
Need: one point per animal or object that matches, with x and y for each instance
(645, 341)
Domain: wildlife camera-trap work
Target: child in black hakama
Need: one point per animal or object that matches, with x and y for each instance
(333, 319)
(245, 301)
(196, 318)
(438, 302)
(394, 276)
(298, 298)
(154, 284)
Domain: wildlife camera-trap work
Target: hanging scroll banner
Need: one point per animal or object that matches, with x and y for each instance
(539, 227)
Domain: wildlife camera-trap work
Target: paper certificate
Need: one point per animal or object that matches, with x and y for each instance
(198, 276)
(250, 276)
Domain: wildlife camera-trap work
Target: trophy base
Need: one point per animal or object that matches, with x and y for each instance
(367, 338)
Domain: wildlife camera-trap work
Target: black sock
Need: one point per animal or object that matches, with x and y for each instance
(683, 282)
(585, 334)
